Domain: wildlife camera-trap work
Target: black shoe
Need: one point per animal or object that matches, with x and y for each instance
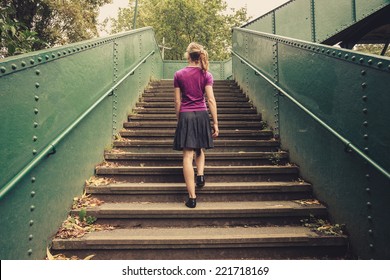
(200, 181)
(191, 203)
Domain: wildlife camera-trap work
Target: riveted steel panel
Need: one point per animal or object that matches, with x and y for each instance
(264, 23)
(365, 8)
(294, 20)
(331, 17)
(44, 99)
(348, 92)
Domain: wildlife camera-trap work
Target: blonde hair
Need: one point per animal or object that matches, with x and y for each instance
(195, 52)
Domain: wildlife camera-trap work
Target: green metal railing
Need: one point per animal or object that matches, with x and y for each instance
(60, 109)
(315, 20)
(347, 143)
(324, 102)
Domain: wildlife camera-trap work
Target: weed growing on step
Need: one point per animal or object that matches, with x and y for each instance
(323, 227)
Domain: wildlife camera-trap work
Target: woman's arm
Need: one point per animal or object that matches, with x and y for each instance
(213, 109)
(177, 102)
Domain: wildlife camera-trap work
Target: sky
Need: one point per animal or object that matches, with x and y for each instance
(255, 8)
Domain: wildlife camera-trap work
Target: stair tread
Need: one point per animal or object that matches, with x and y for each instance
(227, 186)
(161, 208)
(205, 237)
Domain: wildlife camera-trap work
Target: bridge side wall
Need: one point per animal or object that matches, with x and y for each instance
(349, 92)
(41, 95)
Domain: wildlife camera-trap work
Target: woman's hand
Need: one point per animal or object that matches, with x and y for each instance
(216, 131)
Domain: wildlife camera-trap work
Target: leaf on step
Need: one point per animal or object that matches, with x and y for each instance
(307, 202)
(89, 257)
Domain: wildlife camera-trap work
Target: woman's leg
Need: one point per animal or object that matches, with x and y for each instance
(188, 171)
(200, 162)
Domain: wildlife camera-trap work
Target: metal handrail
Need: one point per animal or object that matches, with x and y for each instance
(348, 144)
(49, 149)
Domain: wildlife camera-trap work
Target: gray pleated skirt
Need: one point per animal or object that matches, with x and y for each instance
(193, 131)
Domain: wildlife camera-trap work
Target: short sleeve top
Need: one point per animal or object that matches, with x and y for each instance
(192, 82)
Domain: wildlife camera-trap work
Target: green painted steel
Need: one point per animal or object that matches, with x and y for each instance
(328, 106)
(315, 20)
(60, 108)
(221, 70)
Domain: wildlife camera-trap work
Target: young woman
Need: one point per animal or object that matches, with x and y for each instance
(194, 132)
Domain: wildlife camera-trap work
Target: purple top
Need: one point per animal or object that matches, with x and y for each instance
(192, 82)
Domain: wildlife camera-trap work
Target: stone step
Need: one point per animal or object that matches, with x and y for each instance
(220, 145)
(172, 117)
(151, 124)
(226, 213)
(221, 111)
(157, 98)
(174, 174)
(170, 94)
(212, 192)
(213, 158)
(140, 133)
(205, 243)
(171, 104)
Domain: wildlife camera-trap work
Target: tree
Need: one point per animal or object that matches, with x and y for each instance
(372, 49)
(14, 36)
(183, 21)
(52, 22)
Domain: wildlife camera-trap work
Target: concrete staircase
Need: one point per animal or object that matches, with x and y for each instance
(252, 206)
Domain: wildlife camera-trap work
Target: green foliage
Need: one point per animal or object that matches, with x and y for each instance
(183, 21)
(14, 36)
(372, 49)
(35, 24)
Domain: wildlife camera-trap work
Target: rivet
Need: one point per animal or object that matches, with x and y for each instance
(35, 124)
(32, 194)
(3, 69)
(29, 252)
(37, 72)
(368, 190)
(37, 85)
(36, 97)
(380, 64)
(372, 246)
(365, 136)
(64, 52)
(363, 72)
(30, 237)
(47, 57)
(31, 222)
(367, 176)
(346, 56)
(14, 67)
(370, 231)
(369, 61)
(369, 218)
(36, 111)
(23, 64)
(364, 85)
(39, 59)
(353, 58)
(365, 123)
(364, 97)
(340, 54)
(32, 208)
(365, 110)
(58, 54)
(361, 60)
(53, 55)
(34, 152)
(32, 61)
(35, 138)
(33, 179)
(369, 204)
